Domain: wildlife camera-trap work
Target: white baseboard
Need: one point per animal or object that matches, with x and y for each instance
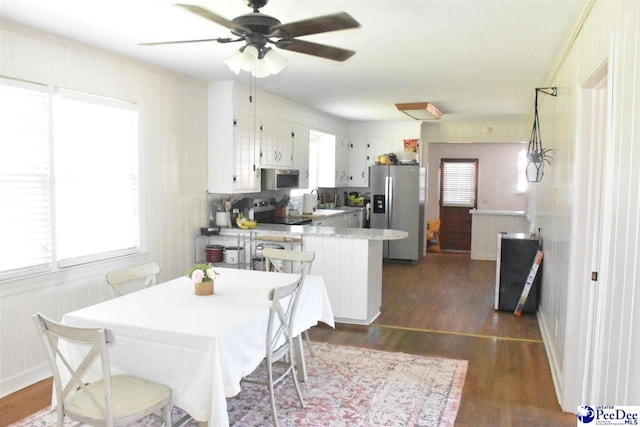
(24, 379)
(556, 368)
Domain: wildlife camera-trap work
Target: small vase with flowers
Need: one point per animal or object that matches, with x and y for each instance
(203, 278)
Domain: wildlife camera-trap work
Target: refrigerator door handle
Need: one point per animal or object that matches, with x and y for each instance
(389, 201)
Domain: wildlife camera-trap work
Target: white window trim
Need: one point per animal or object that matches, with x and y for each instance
(57, 265)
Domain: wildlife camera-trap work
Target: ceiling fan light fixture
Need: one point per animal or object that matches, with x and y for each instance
(233, 61)
(260, 62)
(249, 58)
(262, 69)
(274, 60)
(420, 110)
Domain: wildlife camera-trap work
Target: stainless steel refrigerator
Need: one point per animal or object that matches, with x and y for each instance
(397, 204)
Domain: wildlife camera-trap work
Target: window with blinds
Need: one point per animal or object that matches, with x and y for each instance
(25, 184)
(95, 142)
(68, 178)
(459, 183)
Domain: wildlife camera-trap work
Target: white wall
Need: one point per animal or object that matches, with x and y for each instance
(174, 183)
(454, 128)
(497, 163)
(559, 206)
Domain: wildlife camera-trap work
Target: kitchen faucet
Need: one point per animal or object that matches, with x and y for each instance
(317, 193)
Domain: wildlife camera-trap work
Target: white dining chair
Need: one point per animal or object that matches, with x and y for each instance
(109, 400)
(279, 358)
(141, 275)
(301, 262)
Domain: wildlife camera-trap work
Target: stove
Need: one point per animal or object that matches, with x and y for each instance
(289, 221)
(267, 215)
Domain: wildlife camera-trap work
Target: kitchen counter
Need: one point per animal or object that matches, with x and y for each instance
(319, 231)
(323, 213)
(348, 259)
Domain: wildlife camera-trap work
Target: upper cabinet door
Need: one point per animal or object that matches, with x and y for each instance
(276, 142)
(246, 170)
(358, 166)
(231, 159)
(301, 153)
(342, 161)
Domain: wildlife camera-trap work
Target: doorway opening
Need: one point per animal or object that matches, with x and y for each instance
(458, 195)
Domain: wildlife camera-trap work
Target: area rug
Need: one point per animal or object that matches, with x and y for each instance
(347, 387)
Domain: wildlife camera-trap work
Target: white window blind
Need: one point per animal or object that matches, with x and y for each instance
(459, 183)
(96, 177)
(25, 186)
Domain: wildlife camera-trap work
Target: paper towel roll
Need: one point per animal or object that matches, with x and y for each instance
(222, 219)
(308, 203)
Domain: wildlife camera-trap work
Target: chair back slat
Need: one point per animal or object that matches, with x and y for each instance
(144, 274)
(300, 259)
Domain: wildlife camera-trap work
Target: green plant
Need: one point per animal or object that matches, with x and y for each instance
(541, 156)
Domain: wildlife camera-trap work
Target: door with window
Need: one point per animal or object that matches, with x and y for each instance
(458, 195)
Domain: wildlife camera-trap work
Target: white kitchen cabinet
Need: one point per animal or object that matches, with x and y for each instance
(347, 219)
(333, 163)
(301, 153)
(276, 142)
(339, 221)
(232, 150)
(342, 161)
(358, 163)
(378, 145)
(354, 219)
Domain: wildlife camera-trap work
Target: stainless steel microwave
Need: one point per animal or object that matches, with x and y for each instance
(280, 179)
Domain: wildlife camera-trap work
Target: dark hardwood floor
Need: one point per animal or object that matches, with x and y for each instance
(443, 307)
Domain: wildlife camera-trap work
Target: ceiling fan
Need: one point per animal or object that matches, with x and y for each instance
(258, 30)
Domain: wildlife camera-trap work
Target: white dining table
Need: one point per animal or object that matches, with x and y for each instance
(200, 346)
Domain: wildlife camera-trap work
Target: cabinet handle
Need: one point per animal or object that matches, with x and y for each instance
(363, 174)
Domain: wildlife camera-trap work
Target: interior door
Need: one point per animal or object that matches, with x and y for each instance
(458, 195)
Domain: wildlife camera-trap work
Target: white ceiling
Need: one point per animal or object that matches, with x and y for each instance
(475, 59)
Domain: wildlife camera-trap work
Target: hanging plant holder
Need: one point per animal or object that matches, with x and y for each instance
(535, 171)
(537, 155)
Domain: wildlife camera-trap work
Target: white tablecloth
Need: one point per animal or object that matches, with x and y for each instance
(200, 346)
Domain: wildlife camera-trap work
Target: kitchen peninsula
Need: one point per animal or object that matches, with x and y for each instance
(349, 260)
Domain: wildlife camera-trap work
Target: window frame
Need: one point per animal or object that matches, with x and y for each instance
(54, 263)
(474, 203)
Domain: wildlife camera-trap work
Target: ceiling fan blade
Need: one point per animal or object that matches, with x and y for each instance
(316, 49)
(320, 24)
(207, 14)
(220, 40)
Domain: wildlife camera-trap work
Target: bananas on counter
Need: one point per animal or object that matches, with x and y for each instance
(245, 223)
